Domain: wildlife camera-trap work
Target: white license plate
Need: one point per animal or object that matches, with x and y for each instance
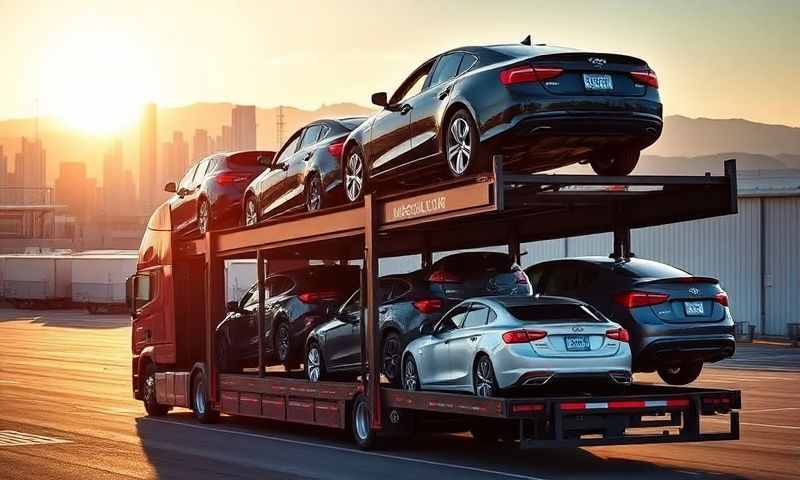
(597, 81)
(577, 343)
(694, 309)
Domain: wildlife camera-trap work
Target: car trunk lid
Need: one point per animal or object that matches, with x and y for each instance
(689, 299)
(575, 340)
(587, 73)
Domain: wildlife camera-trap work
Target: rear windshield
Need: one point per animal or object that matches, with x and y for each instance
(343, 280)
(247, 159)
(352, 123)
(564, 313)
(479, 262)
(648, 269)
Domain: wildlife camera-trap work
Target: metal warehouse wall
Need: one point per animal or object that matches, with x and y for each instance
(782, 266)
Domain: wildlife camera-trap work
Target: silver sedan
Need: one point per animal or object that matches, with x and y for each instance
(484, 345)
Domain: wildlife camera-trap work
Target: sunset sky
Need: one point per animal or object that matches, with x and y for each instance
(92, 64)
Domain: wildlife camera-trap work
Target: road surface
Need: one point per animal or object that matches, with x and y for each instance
(66, 412)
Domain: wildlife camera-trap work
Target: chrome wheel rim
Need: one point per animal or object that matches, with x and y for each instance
(411, 381)
(314, 195)
(459, 146)
(200, 399)
(283, 343)
(313, 364)
(362, 421)
(674, 370)
(202, 218)
(251, 215)
(150, 389)
(391, 358)
(484, 382)
(354, 176)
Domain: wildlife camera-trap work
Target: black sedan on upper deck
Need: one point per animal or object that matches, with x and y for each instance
(542, 107)
(305, 175)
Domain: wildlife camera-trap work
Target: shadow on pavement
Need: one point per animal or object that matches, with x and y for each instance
(65, 318)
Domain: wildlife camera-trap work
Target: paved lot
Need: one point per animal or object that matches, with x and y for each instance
(64, 377)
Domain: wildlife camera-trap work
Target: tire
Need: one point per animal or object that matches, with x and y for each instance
(484, 381)
(354, 175)
(618, 164)
(250, 216)
(462, 146)
(314, 364)
(200, 404)
(153, 408)
(411, 374)
(361, 423)
(391, 362)
(683, 375)
(314, 195)
(203, 216)
(283, 345)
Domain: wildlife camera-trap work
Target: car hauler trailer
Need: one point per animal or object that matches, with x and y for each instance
(178, 298)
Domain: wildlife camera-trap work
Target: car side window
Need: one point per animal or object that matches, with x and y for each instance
(186, 181)
(353, 304)
(477, 316)
(446, 68)
(394, 289)
(201, 171)
(288, 149)
(250, 299)
(279, 285)
(453, 320)
(412, 85)
(467, 62)
(310, 136)
(323, 132)
(144, 288)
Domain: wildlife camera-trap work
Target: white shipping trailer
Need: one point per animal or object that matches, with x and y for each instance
(98, 281)
(240, 275)
(37, 280)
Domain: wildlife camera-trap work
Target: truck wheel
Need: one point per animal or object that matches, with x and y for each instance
(361, 423)
(200, 404)
(682, 375)
(153, 408)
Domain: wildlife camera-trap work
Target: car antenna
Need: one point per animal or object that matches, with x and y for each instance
(527, 41)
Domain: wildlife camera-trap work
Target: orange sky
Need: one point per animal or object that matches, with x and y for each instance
(92, 63)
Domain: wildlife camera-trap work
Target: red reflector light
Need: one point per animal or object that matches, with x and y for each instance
(335, 149)
(721, 298)
(228, 178)
(619, 334)
(640, 299)
(573, 406)
(678, 402)
(429, 305)
(525, 73)
(441, 276)
(523, 336)
(527, 407)
(646, 77)
(315, 297)
(627, 404)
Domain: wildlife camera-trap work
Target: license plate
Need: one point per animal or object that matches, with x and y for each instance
(694, 309)
(577, 343)
(597, 81)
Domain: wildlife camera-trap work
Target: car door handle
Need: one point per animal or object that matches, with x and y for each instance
(405, 109)
(444, 93)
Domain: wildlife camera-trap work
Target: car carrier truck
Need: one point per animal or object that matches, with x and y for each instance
(177, 298)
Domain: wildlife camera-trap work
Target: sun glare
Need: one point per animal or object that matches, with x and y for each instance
(95, 81)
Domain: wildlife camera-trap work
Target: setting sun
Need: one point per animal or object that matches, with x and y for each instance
(95, 81)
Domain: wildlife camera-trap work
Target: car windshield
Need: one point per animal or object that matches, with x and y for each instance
(648, 269)
(558, 313)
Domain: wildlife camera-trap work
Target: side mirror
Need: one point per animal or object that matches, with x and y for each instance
(427, 328)
(170, 187)
(130, 296)
(380, 99)
(232, 306)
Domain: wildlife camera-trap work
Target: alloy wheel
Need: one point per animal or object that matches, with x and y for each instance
(484, 381)
(391, 358)
(202, 217)
(354, 176)
(313, 363)
(314, 195)
(283, 342)
(251, 212)
(410, 376)
(459, 146)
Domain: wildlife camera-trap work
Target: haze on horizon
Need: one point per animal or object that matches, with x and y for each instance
(93, 63)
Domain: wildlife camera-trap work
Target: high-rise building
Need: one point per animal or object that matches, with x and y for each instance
(75, 190)
(4, 180)
(148, 142)
(226, 145)
(200, 144)
(112, 180)
(174, 160)
(243, 123)
(30, 170)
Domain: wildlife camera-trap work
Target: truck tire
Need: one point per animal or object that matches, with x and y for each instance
(200, 403)
(682, 375)
(153, 408)
(361, 423)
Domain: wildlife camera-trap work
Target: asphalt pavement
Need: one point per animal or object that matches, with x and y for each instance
(66, 411)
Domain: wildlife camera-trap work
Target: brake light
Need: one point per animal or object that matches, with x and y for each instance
(721, 298)
(619, 334)
(335, 149)
(640, 299)
(646, 77)
(441, 276)
(428, 305)
(227, 178)
(521, 278)
(316, 297)
(526, 73)
(523, 336)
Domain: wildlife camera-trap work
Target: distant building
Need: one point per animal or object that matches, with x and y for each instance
(30, 171)
(148, 141)
(75, 190)
(112, 181)
(174, 160)
(226, 140)
(200, 144)
(243, 124)
(3, 168)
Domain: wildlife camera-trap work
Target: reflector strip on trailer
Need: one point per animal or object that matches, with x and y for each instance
(527, 407)
(623, 405)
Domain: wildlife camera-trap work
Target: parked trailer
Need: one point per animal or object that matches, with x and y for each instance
(240, 275)
(98, 280)
(172, 368)
(37, 280)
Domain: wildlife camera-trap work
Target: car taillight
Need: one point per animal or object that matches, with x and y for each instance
(316, 297)
(428, 305)
(523, 336)
(521, 278)
(230, 177)
(640, 299)
(646, 77)
(526, 73)
(335, 149)
(721, 298)
(441, 276)
(618, 334)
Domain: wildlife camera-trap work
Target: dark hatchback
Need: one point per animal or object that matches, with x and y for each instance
(296, 301)
(676, 321)
(209, 196)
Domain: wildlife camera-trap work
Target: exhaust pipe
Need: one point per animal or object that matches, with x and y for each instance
(621, 378)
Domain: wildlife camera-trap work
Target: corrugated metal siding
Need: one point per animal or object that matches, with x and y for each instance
(535, 252)
(782, 269)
